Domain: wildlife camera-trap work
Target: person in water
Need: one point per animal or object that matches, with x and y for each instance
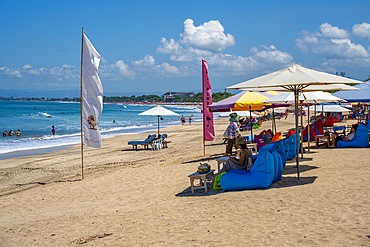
(11, 133)
(5, 133)
(53, 130)
(18, 133)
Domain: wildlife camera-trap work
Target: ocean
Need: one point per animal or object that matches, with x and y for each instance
(34, 119)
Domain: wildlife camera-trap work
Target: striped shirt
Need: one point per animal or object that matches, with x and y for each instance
(233, 130)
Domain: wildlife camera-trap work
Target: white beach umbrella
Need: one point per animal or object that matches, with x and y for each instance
(328, 108)
(294, 79)
(310, 88)
(305, 97)
(159, 111)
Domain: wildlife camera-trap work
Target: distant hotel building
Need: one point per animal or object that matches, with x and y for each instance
(170, 96)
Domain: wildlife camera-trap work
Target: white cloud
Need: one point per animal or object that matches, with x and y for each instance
(116, 70)
(166, 69)
(209, 36)
(269, 54)
(265, 57)
(27, 66)
(10, 72)
(148, 61)
(328, 31)
(354, 62)
(361, 30)
(179, 53)
(170, 47)
(332, 48)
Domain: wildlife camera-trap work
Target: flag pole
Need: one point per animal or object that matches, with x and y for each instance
(82, 138)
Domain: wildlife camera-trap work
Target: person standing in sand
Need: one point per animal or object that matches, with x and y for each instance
(182, 119)
(53, 130)
(234, 133)
(190, 119)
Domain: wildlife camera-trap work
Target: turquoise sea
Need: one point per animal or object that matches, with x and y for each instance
(35, 119)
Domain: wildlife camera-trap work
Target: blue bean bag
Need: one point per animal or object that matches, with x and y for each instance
(361, 139)
(280, 149)
(260, 176)
(291, 141)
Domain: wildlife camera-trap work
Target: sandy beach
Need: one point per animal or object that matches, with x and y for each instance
(143, 197)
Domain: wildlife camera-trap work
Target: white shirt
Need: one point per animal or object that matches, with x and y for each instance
(350, 136)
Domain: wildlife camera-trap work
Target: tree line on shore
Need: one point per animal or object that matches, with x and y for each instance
(155, 98)
(137, 99)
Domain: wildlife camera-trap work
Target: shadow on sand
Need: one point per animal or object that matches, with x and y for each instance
(284, 182)
(210, 157)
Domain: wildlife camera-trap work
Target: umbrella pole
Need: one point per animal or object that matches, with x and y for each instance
(250, 121)
(309, 128)
(296, 126)
(302, 129)
(273, 122)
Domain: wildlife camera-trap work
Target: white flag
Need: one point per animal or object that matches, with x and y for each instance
(92, 95)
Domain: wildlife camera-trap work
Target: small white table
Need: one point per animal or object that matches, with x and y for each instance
(203, 180)
(222, 161)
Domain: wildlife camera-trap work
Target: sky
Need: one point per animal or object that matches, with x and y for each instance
(156, 46)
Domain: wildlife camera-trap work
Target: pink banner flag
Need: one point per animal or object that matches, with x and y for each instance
(208, 129)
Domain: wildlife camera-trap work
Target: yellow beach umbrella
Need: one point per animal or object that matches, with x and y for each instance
(244, 101)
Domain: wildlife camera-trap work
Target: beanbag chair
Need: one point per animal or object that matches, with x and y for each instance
(278, 136)
(312, 132)
(260, 176)
(291, 141)
(266, 138)
(290, 132)
(329, 122)
(259, 140)
(361, 139)
(280, 148)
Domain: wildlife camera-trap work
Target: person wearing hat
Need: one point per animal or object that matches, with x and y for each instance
(245, 161)
(335, 137)
(233, 132)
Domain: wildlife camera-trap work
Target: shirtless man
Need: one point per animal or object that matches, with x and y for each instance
(11, 133)
(5, 133)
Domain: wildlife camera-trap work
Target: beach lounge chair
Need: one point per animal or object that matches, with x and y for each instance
(361, 139)
(144, 143)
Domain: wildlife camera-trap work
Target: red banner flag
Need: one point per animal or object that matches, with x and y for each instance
(208, 128)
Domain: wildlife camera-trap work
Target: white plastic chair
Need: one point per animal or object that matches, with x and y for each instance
(157, 145)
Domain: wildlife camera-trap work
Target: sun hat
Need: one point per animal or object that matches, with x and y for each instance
(240, 141)
(234, 117)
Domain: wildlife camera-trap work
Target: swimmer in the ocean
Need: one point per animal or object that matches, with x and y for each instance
(18, 133)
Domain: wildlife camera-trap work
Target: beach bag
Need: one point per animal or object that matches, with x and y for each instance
(226, 133)
(217, 183)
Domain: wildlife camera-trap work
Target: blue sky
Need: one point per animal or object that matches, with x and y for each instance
(157, 46)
